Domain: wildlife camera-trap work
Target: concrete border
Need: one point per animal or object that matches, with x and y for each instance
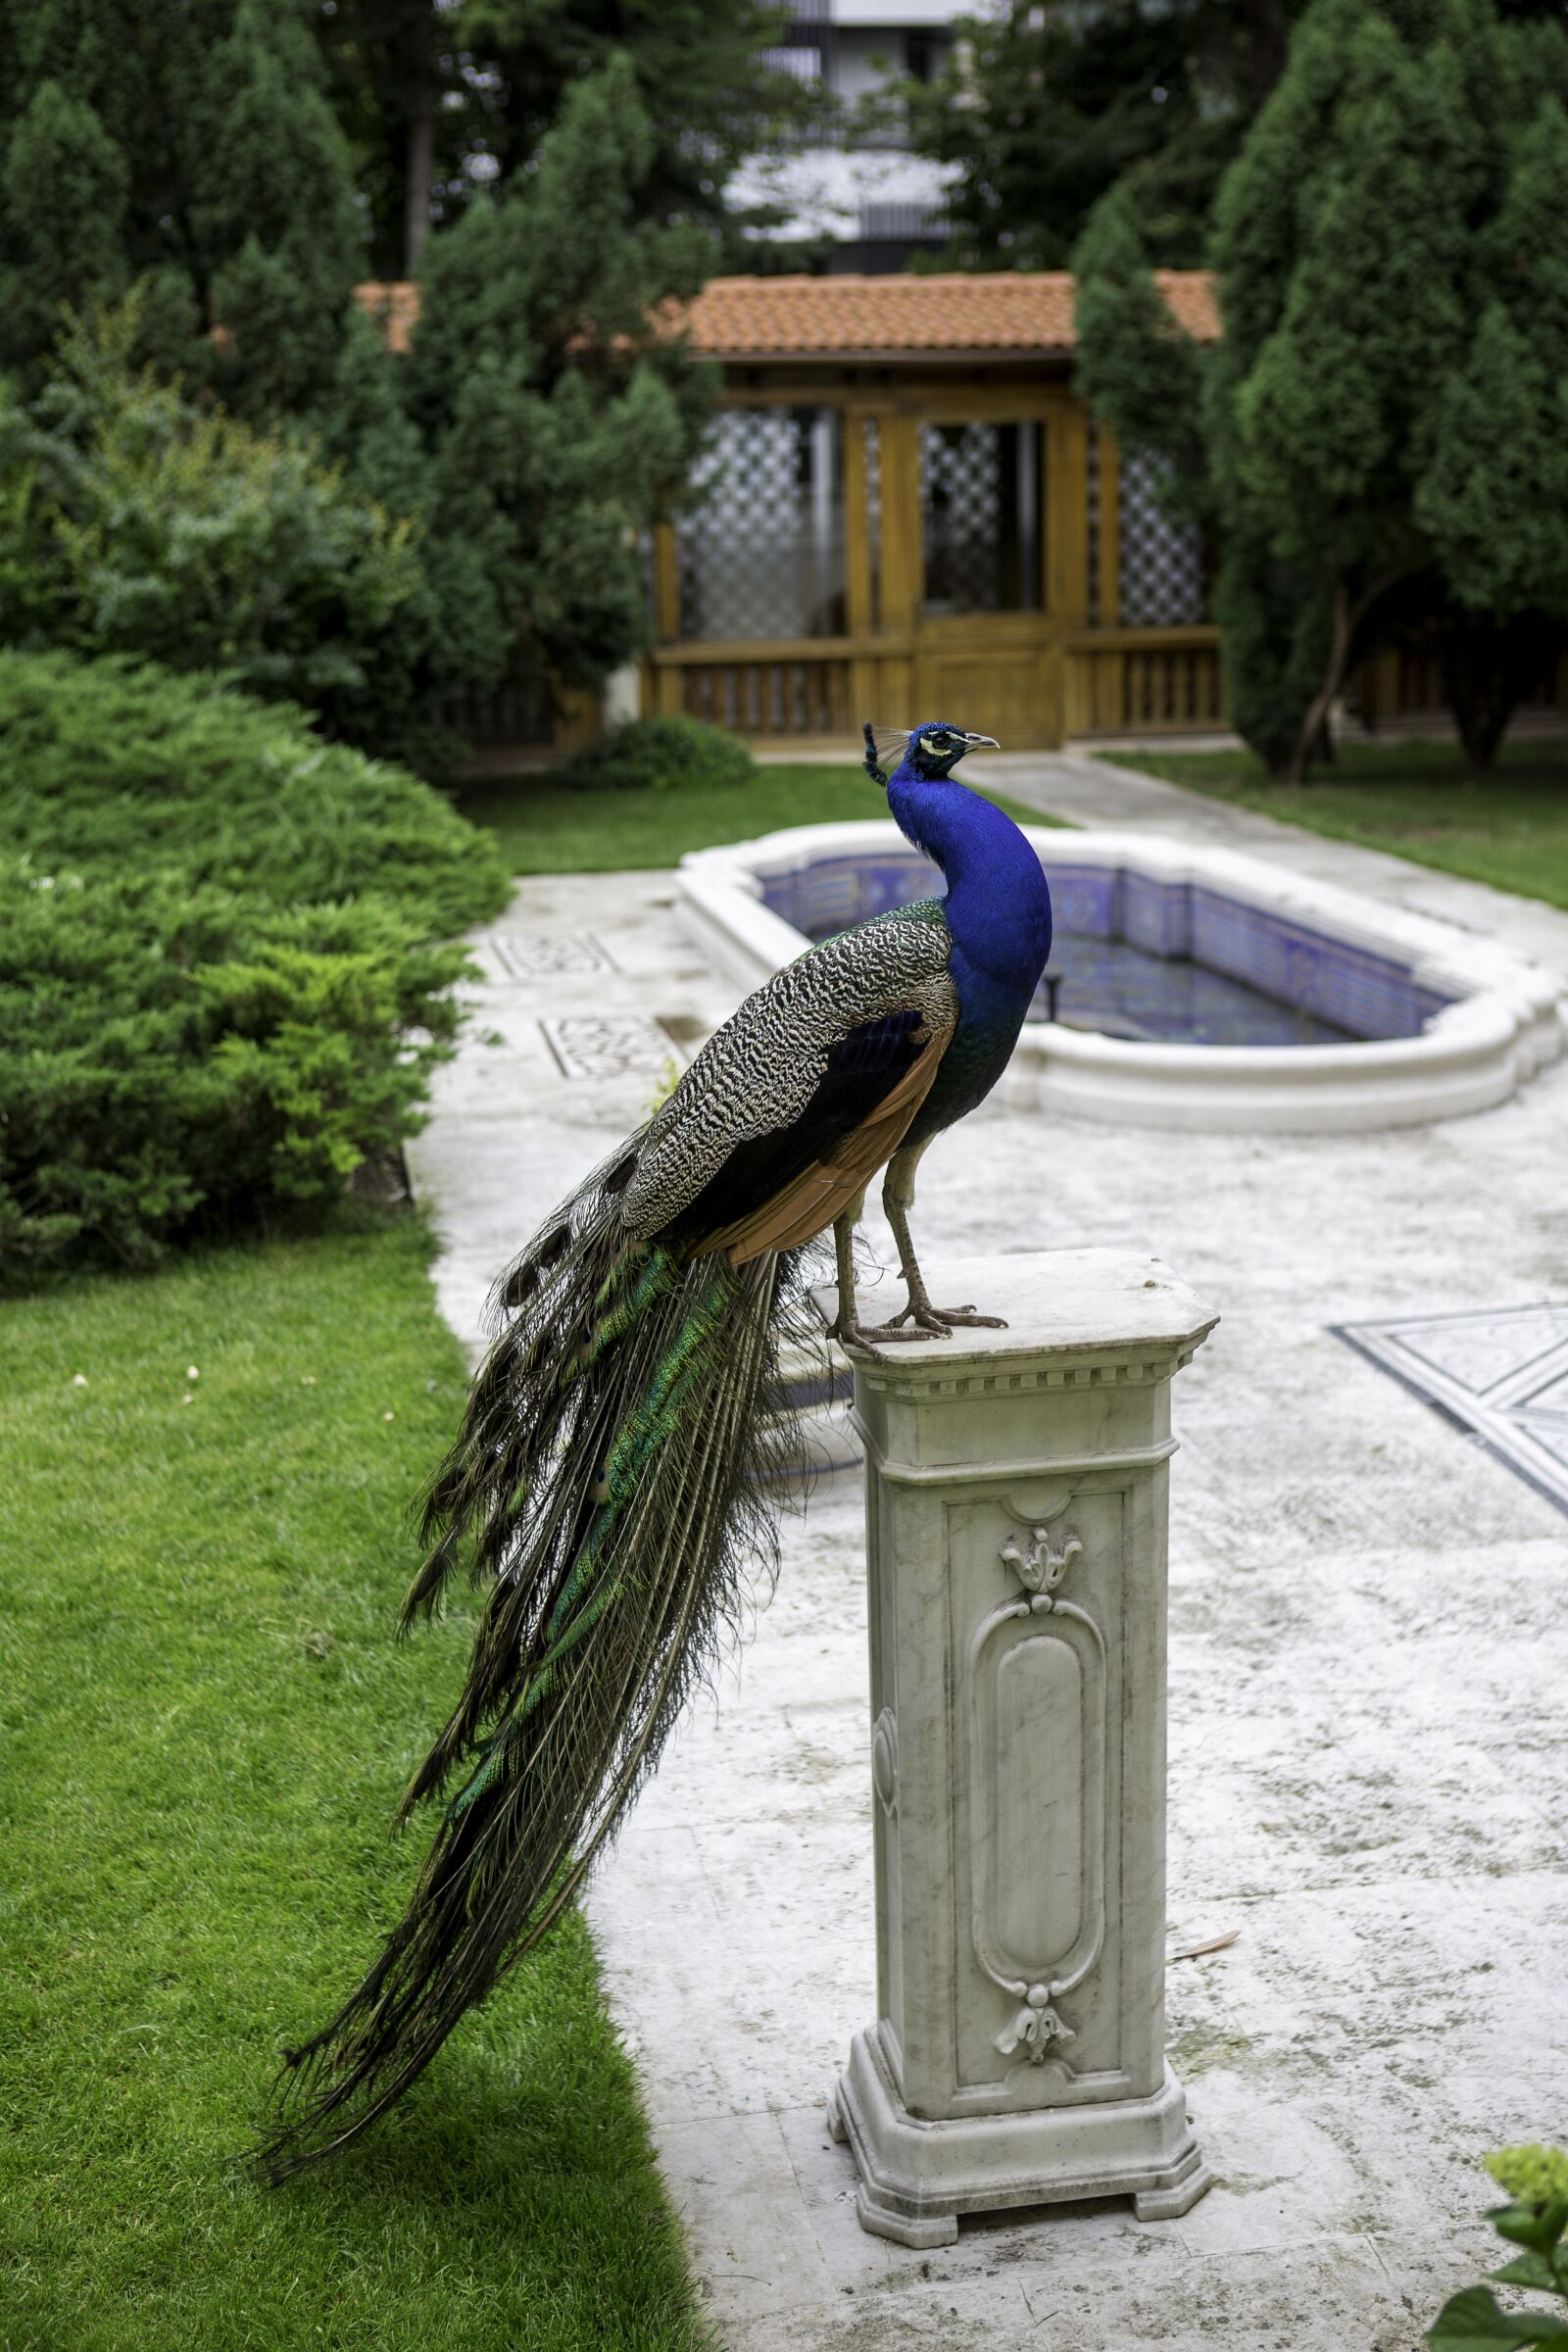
(1506, 1020)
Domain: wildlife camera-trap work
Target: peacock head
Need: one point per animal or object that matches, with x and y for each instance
(931, 753)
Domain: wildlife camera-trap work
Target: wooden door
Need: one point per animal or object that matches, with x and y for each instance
(985, 557)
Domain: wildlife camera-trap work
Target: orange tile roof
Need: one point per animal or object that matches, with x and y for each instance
(1005, 311)
(393, 306)
(836, 318)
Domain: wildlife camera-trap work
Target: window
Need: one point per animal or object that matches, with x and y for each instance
(982, 516)
(1161, 561)
(762, 555)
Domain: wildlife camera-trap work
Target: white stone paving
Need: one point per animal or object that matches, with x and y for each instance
(1369, 1663)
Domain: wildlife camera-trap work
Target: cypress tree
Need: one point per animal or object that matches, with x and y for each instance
(1045, 109)
(275, 206)
(446, 105)
(183, 148)
(1494, 491)
(1141, 370)
(1340, 239)
(67, 190)
(557, 414)
(1378, 427)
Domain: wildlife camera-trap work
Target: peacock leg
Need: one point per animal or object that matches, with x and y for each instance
(846, 1326)
(919, 1319)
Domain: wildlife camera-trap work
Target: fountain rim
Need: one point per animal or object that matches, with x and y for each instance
(1505, 1021)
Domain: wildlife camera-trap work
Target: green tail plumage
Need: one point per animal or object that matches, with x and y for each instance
(614, 1478)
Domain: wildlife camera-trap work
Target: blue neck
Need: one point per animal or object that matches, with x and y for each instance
(998, 907)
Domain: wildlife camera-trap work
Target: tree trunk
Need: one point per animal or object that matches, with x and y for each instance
(1317, 710)
(1489, 668)
(421, 79)
(1349, 620)
(1271, 34)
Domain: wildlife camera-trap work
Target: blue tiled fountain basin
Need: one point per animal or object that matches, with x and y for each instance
(1163, 962)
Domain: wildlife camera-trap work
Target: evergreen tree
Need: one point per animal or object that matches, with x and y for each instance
(1494, 491)
(183, 148)
(67, 188)
(445, 104)
(1340, 238)
(556, 414)
(276, 212)
(1143, 372)
(193, 164)
(1136, 366)
(1046, 109)
(134, 521)
(1367, 240)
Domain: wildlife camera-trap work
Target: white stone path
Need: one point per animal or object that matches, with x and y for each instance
(1369, 1699)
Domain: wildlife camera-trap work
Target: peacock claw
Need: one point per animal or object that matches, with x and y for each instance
(852, 1336)
(920, 1320)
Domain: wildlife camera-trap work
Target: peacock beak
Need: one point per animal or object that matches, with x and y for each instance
(975, 741)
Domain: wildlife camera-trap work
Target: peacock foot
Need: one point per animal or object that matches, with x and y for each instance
(920, 1320)
(852, 1334)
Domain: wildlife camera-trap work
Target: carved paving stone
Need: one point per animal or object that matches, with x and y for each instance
(1500, 1372)
(546, 957)
(620, 1045)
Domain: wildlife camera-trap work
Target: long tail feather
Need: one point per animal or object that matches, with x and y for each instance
(614, 1478)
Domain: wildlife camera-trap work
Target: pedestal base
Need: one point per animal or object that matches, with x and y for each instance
(917, 2177)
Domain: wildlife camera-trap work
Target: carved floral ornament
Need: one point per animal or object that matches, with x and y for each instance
(1039, 1564)
(1035, 2028)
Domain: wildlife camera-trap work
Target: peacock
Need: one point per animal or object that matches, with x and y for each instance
(615, 1468)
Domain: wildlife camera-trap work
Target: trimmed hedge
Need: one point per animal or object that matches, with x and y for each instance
(223, 982)
(660, 755)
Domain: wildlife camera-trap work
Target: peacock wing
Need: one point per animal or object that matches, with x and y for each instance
(803, 1094)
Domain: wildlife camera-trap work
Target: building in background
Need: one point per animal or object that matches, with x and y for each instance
(907, 507)
(856, 194)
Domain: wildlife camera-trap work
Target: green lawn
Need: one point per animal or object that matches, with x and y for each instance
(1418, 799)
(543, 828)
(205, 1723)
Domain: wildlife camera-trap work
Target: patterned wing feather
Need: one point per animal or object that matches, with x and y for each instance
(805, 1063)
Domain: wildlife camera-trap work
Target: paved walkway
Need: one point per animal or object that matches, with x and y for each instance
(1369, 1657)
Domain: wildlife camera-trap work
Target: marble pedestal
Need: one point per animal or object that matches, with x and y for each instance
(1015, 1537)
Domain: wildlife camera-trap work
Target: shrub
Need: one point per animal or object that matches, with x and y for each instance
(222, 982)
(1535, 2223)
(660, 755)
(134, 521)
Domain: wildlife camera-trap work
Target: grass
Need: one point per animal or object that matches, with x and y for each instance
(205, 1724)
(543, 828)
(1419, 800)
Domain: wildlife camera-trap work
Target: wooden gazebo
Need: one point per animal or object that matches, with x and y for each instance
(908, 510)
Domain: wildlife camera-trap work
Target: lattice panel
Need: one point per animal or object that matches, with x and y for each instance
(960, 514)
(1161, 561)
(763, 555)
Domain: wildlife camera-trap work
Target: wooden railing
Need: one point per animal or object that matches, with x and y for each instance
(1143, 681)
(786, 690)
(1111, 682)
(1400, 684)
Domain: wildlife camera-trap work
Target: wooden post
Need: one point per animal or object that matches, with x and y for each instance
(856, 529)
(1067, 515)
(859, 599)
(900, 524)
(666, 685)
(1109, 529)
(666, 584)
